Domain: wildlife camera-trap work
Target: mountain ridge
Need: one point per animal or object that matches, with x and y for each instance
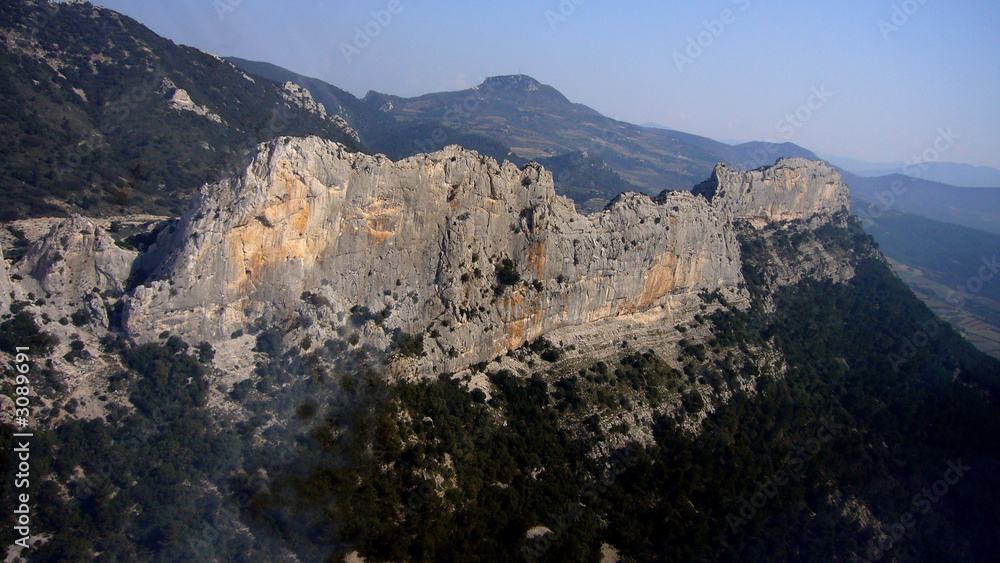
(499, 241)
(323, 354)
(470, 242)
(951, 173)
(602, 139)
(101, 114)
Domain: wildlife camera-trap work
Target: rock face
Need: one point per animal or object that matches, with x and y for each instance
(74, 263)
(794, 188)
(302, 97)
(181, 101)
(477, 257)
(5, 286)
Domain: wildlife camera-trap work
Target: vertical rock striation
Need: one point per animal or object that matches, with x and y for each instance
(5, 286)
(476, 256)
(74, 264)
(793, 188)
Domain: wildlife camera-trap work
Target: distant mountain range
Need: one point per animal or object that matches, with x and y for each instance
(978, 208)
(593, 157)
(952, 173)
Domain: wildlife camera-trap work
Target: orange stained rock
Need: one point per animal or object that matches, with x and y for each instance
(660, 280)
(536, 258)
(380, 216)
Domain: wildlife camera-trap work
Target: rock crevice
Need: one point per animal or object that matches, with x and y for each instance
(478, 257)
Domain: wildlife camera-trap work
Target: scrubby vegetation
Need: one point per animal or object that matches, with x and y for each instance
(20, 328)
(99, 133)
(684, 497)
(842, 433)
(507, 274)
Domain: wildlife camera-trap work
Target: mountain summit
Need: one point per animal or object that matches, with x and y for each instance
(517, 82)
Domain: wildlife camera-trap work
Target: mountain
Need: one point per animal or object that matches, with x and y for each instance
(443, 246)
(585, 179)
(443, 343)
(951, 173)
(99, 114)
(750, 155)
(977, 208)
(368, 122)
(857, 166)
(379, 131)
(537, 122)
(956, 174)
(950, 268)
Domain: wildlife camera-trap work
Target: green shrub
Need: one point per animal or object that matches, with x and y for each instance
(80, 317)
(507, 274)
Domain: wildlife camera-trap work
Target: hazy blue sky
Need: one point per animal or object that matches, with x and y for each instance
(892, 87)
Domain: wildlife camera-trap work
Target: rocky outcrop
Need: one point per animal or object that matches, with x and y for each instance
(74, 264)
(5, 286)
(515, 82)
(181, 101)
(477, 257)
(302, 97)
(794, 188)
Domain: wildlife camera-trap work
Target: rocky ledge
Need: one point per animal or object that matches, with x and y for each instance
(475, 256)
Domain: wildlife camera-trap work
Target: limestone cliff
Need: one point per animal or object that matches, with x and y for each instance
(476, 256)
(794, 188)
(5, 286)
(424, 240)
(73, 265)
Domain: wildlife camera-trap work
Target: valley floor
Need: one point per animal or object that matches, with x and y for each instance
(978, 330)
